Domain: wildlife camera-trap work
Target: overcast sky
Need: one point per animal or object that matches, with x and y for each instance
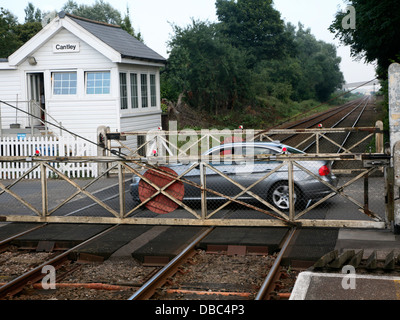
(153, 18)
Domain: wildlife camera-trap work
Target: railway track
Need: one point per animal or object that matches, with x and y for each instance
(33, 273)
(185, 277)
(193, 274)
(326, 117)
(349, 120)
(133, 281)
(346, 116)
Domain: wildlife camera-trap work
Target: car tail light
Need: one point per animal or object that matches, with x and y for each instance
(324, 171)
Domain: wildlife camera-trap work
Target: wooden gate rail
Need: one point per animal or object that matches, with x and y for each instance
(162, 139)
(135, 165)
(181, 179)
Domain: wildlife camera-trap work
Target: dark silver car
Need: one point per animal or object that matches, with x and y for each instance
(274, 188)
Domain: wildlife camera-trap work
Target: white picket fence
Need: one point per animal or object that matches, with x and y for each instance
(46, 146)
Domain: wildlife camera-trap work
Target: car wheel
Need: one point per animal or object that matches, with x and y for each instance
(279, 196)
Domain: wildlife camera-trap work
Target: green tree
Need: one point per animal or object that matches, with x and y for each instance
(206, 68)
(277, 78)
(32, 25)
(70, 7)
(12, 34)
(32, 14)
(103, 12)
(321, 74)
(311, 71)
(126, 24)
(27, 30)
(329, 66)
(9, 41)
(99, 11)
(376, 35)
(254, 25)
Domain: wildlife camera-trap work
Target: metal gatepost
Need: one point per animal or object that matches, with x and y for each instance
(394, 122)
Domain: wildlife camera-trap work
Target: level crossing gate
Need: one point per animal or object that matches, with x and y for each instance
(177, 187)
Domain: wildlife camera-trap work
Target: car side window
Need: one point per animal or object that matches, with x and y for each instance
(251, 151)
(258, 151)
(254, 151)
(221, 156)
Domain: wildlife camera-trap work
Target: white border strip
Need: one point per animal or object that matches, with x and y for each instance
(304, 278)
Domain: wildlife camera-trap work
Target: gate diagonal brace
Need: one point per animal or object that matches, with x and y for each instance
(20, 199)
(162, 189)
(247, 190)
(51, 211)
(340, 190)
(214, 192)
(85, 192)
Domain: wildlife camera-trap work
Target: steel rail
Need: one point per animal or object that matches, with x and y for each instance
(353, 126)
(261, 295)
(330, 113)
(333, 111)
(14, 286)
(148, 289)
(340, 121)
(332, 99)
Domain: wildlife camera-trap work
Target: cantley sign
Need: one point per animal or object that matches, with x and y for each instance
(65, 47)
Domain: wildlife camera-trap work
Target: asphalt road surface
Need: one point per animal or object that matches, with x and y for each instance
(106, 190)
